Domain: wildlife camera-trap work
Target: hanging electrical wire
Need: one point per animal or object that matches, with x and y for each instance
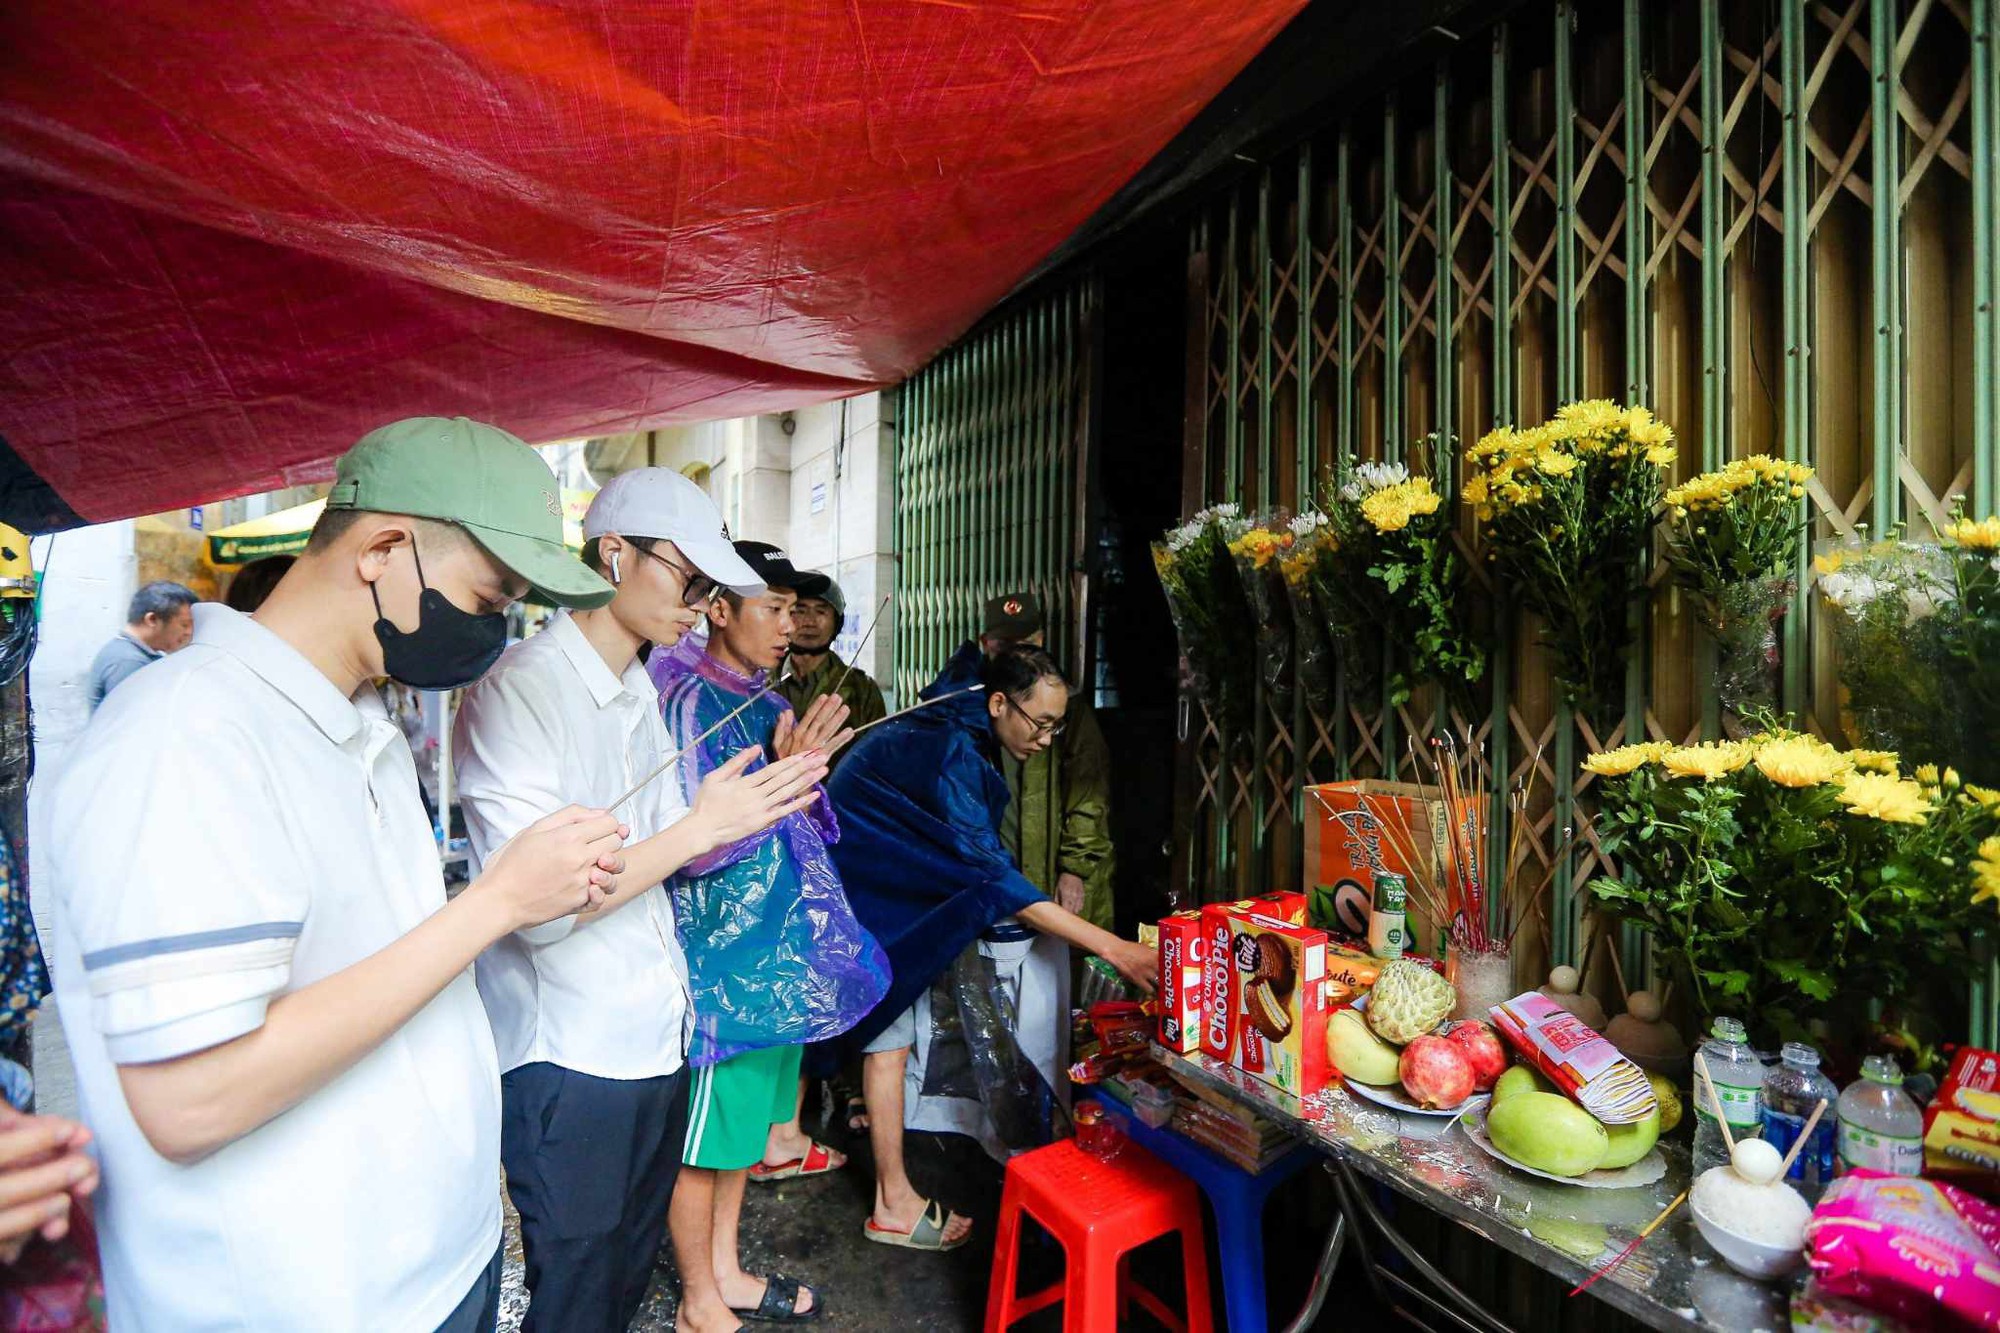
(18, 634)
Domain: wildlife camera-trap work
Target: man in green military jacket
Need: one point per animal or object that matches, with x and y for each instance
(1059, 823)
(816, 669)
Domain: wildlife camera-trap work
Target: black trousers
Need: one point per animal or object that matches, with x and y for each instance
(591, 1164)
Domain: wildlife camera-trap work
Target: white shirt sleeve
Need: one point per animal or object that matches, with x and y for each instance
(182, 892)
(507, 757)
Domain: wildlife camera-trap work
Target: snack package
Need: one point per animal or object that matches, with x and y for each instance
(1181, 957)
(1908, 1247)
(1353, 970)
(1962, 1124)
(1279, 990)
(1576, 1058)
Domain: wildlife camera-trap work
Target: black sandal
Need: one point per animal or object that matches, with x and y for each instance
(781, 1303)
(849, 1097)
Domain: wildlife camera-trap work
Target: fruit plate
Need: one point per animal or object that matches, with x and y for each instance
(1392, 1096)
(1646, 1171)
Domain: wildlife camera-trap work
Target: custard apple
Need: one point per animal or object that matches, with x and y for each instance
(1408, 1000)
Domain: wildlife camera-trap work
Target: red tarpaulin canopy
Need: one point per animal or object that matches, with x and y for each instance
(238, 236)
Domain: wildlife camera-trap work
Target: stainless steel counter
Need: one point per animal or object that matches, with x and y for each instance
(1673, 1281)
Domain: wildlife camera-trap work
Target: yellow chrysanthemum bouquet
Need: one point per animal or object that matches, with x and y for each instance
(1302, 567)
(1790, 883)
(1732, 540)
(1567, 510)
(1395, 580)
(1259, 551)
(1972, 638)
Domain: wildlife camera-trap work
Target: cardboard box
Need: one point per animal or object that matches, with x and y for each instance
(1279, 991)
(1181, 955)
(1287, 905)
(1347, 846)
(1962, 1123)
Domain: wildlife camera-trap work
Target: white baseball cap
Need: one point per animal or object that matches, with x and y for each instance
(660, 503)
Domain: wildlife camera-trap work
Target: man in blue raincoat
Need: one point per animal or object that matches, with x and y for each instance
(921, 802)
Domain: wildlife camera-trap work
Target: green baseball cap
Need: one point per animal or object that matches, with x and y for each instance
(480, 477)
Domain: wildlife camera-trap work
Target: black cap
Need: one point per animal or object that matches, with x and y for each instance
(1013, 615)
(776, 569)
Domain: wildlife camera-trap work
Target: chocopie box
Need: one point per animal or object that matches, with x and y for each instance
(1181, 955)
(1279, 989)
(1218, 1000)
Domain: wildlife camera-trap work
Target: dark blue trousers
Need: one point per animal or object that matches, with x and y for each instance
(479, 1312)
(591, 1164)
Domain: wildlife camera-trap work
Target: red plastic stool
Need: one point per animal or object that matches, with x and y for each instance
(1100, 1212)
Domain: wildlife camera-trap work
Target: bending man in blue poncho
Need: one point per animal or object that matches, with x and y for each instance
(775, 957)
(921, 802)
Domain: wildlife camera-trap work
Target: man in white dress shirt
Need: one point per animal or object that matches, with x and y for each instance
(590, 1012)
(277, 1040)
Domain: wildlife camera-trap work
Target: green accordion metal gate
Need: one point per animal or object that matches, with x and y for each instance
(992, 481)
(1771, 221)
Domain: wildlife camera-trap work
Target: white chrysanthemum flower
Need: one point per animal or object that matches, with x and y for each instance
(1369, 478)
(1850, 591)
(1306, 524)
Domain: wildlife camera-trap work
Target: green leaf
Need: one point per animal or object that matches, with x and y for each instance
(1732, 982)
(1812, 982)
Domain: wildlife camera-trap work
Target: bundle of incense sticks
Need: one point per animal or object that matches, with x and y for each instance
(1449, 880)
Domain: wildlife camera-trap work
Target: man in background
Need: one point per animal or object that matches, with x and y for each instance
(817, 669)
(1058, 823)
(159, 622)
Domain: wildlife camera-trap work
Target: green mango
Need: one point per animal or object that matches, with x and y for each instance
(1517, 1079)
(1549, 1132)
(1630, 1142)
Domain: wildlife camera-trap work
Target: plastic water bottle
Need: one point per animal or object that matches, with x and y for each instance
(1881, 1127)
(1791, 1090)
(1738, 1076)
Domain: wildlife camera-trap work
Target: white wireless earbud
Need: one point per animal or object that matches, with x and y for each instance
(615, 576)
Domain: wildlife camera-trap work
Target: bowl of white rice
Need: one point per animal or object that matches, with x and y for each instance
(1764, 1234)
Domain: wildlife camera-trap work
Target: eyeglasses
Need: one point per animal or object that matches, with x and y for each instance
(1049, 729)
(697, 588)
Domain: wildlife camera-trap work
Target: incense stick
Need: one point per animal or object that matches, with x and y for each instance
(1800, 1142)
(1618, 970)
(868, 634)
(1626, 1253)
(926, 703)
(1722, 1120)
(668, 762)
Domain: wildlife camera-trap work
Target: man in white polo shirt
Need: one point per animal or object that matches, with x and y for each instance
(591, 1012)
(277, 1039)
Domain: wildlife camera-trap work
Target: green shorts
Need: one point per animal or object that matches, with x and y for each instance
(732, 1106)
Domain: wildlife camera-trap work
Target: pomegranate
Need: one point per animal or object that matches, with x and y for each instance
(1482, 1046)
(1436, 1072)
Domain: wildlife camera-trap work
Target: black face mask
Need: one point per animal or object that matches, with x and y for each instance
(448, 648)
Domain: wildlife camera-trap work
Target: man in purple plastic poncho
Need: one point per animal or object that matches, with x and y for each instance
(774, 952)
